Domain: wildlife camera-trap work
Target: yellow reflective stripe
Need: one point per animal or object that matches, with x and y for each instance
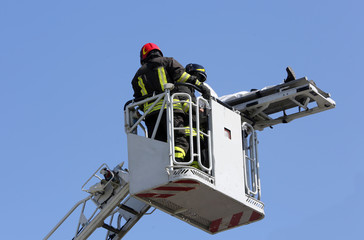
(194, 132)
(143, 90)
(162, 77)
(186, 107)
(187, 131)
(177, 105)
(179, 152)
(179, 155)
(200, 69)
(198, 83)
(158, 106)
(184, 77)
(195, 165)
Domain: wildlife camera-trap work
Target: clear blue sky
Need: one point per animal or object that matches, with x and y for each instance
(65, 72)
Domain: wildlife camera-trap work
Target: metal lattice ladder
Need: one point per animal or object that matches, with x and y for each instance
(112, 200)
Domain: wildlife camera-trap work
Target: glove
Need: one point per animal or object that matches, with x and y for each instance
(205, 91)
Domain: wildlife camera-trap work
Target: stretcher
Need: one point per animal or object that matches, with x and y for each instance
(281, 103)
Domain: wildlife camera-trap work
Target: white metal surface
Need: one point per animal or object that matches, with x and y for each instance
(148, 160)
(282, 103)
(227, 151)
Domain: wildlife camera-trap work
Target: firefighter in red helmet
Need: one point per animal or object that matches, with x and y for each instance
(157, 70)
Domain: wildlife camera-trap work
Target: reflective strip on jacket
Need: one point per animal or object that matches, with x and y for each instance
(154, 74)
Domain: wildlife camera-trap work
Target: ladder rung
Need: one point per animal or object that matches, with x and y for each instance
(110, 228)
(128, 209)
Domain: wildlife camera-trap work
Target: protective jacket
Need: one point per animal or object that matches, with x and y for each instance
(154, 73)
(151, 77)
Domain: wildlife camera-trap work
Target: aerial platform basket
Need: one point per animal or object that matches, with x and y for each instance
(227, 196)
(224, 190)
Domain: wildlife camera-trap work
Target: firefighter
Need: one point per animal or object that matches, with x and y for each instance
(200, 73)
(155, 71)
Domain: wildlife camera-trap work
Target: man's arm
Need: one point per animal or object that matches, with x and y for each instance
(136, 88)
(179, 75)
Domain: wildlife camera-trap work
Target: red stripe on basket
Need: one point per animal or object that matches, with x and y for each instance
(235, 219)
(187, 181)
(164, 195)
(255, 216)
(214, 225)
(167, 188)
(146, 195)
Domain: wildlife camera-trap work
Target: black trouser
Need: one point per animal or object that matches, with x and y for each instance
(203, 150)
(180, 140)
(203, 141)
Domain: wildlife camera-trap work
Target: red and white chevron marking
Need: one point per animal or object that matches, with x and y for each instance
(170, 190)
(234, 220)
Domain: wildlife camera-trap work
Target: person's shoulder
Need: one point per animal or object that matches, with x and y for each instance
(139, 72)
(169, 58)
(166, 62)
(162, 59)
(170, 61)
(141, 69)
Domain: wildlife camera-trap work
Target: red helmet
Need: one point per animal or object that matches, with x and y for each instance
(146, 50)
